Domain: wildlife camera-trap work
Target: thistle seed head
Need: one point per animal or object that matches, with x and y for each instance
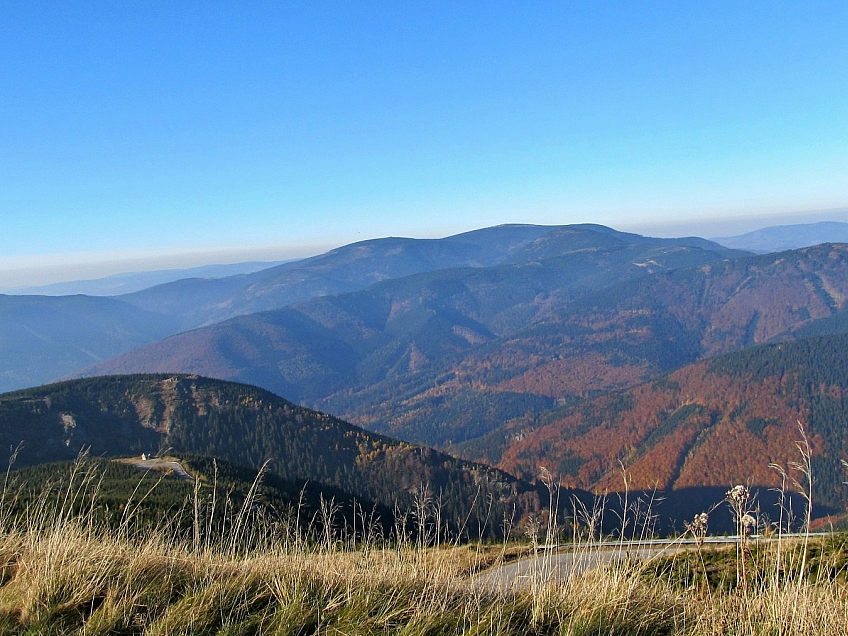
(749, 524)
(738, 495)
(699, 527)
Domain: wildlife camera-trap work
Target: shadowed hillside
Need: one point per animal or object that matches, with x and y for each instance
(122, 415)
(44, 337)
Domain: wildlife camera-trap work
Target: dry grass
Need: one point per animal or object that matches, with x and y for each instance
(60, 573)
(73, 582)
(71, 579)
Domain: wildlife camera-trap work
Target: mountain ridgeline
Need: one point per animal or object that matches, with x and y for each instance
(198, 301)
(46, 338)
(130, 415)
(448, 356)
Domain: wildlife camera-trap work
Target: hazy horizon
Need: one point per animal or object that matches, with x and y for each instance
(83, 267)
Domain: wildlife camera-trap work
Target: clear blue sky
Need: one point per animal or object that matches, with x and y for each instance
(135, 129)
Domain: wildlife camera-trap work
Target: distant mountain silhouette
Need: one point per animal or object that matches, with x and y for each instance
(136, 281)
(788, 237)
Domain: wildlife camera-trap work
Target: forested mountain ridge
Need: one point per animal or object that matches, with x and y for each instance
(46, 338)
(128, 415)
(448, 356)
(348, 268)
(197, 302)
(717, 422)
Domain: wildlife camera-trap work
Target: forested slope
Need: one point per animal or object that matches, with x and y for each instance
(718, 422)
(128, 415)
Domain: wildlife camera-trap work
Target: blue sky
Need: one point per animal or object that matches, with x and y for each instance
(181, 132)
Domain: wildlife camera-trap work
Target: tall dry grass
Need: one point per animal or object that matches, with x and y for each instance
(61, 572)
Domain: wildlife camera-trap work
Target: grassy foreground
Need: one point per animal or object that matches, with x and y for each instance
(62, 573)
(69, 581)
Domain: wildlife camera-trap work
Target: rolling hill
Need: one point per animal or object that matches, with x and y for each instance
(128, 415)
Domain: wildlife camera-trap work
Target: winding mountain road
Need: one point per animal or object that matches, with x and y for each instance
(562, 563)
(166, 466)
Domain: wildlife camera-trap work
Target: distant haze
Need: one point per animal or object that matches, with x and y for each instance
(130, 282)
(24, 275)
(731, 226)
(788, 237)
(20, 275)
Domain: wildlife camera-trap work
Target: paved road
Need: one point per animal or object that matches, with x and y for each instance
(161, 465)
(567, 562)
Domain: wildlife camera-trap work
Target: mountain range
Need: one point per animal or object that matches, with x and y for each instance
(779, 238)
(43, 337)
(578, 348)
(61, 324)
(444, 357)
(352, 267)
